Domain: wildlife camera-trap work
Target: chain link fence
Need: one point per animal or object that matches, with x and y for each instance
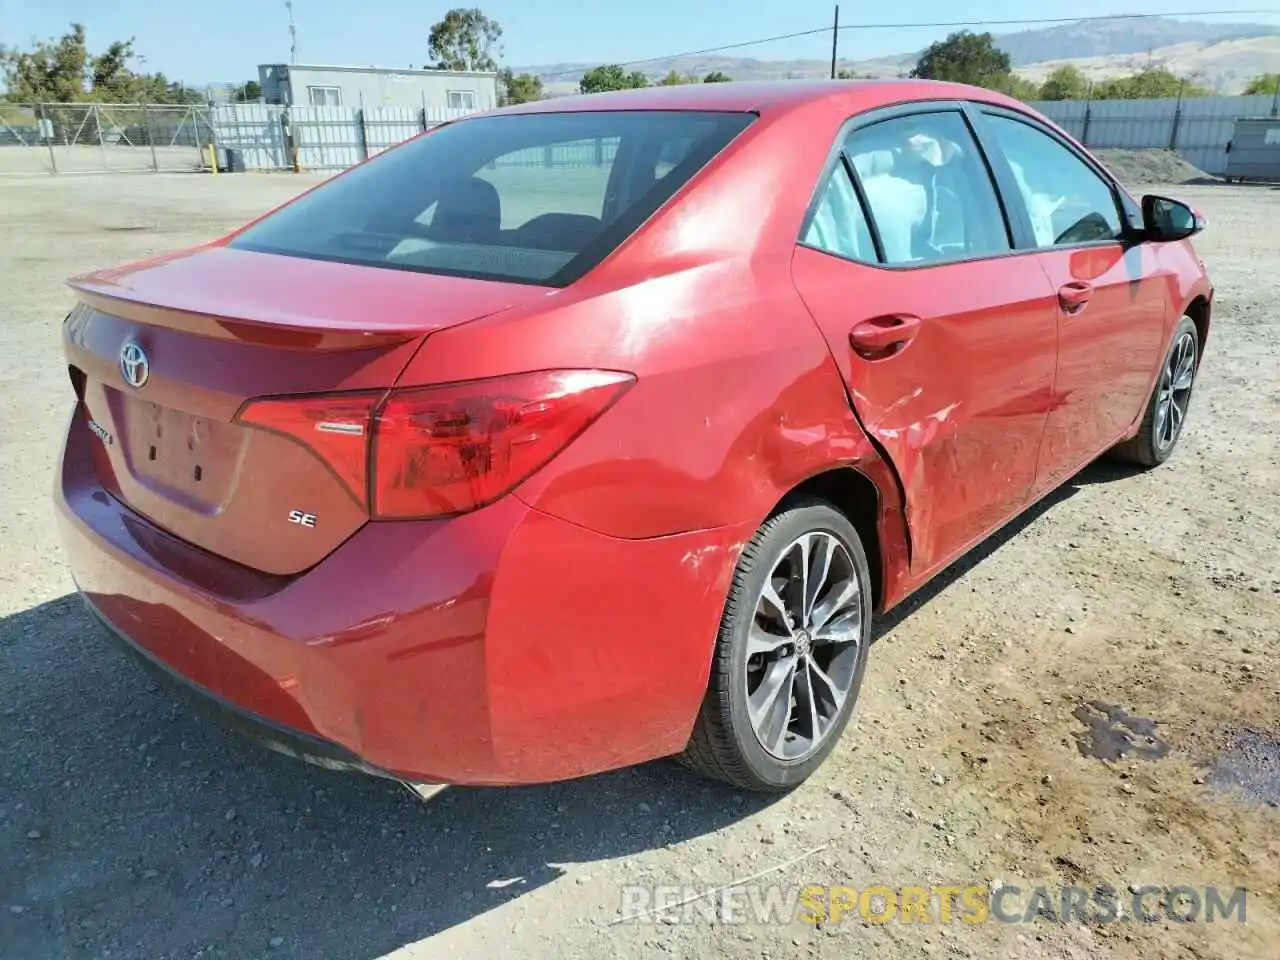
(45, 138)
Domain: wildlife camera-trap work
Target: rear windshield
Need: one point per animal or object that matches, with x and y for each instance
(533, 198)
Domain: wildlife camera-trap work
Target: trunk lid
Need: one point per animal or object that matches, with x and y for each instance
(164, 354)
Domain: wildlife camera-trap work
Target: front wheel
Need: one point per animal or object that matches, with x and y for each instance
(790, 654)
(1166, 412)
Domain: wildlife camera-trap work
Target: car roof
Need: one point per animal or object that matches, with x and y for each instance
(764, 96)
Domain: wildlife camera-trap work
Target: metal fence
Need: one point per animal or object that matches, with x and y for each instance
(1198, 129)
(262, 136)
(265, 137)
(97, 137)
(81, 138)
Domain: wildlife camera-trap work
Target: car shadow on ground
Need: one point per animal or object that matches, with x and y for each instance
(131, 825)
(1100, 471)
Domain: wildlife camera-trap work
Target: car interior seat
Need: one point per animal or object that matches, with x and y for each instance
(899, 205)
(471, 213)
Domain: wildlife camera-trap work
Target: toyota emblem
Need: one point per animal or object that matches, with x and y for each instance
(134, 364)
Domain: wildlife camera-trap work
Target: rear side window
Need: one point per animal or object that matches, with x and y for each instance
(1067, 201)
(838, 224)
(534, 198)
(930, 194)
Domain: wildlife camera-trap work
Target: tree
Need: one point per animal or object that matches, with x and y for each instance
(846, 74)
(109, 71)
(964, 57)
(1154, 82)
(522, 88)
(466, 40)
(611, 77)
(715, 76)
(247, 91)
(1018, 87)
(1264, 83)
(63, 71)
(1065, 83)
(55, 71)
(157, 88)
(673, 79)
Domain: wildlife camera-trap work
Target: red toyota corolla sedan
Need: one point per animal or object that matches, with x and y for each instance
(600, 429)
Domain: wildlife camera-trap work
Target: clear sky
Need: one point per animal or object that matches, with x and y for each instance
(201, 41)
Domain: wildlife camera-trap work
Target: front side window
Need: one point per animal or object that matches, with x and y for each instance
(462, 99)
(1067, 201)
(928, 189)
(536, 198)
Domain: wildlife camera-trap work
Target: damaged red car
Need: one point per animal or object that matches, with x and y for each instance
(601, 429)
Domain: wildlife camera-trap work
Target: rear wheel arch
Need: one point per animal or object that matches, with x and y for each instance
(855, 495)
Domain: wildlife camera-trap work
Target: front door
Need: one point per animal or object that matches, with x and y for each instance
(1111, 320)
(948, 345)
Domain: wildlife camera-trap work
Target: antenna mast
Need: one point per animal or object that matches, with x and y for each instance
(293, 34)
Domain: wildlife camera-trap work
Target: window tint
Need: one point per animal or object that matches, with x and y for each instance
(1067, 201)
(928, 189)
(673, 151)
(537, 198)
(839, 224)
(570, 176)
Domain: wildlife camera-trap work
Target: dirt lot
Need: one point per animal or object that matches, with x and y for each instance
(129, 828)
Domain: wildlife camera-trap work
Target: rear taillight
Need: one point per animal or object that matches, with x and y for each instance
(449, 449)
(335, 427)
(434, 451)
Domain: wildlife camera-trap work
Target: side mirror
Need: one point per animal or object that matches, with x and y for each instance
(1165, 220)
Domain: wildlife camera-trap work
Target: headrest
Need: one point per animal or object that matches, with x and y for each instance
(874, 164)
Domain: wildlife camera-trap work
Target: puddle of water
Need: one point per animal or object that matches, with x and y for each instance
(1111, 734)
(1250, 764)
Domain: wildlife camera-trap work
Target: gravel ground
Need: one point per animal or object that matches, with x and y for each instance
(1152, 166)
(131, 828)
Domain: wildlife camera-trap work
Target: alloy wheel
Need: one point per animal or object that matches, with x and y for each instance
(802, 650)
(1174, 394)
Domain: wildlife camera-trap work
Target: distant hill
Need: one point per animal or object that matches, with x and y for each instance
(1221, 56)
(1103, 38)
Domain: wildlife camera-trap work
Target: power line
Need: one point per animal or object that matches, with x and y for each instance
(1027, 21)
(1031, 21)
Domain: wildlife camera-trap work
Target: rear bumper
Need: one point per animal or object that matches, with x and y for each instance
(501, 647)
(273, 736)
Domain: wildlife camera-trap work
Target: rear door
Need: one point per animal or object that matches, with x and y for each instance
(1111, 305)
(947, 343)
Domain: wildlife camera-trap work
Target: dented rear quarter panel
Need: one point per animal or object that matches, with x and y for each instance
(733, 405)
(737, 398)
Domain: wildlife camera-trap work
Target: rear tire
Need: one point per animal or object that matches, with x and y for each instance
(1169, 404)
(790, 655)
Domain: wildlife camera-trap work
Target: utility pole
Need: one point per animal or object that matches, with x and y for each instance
(835, 41)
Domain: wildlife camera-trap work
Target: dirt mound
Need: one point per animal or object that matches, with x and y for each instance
(1151, 166)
